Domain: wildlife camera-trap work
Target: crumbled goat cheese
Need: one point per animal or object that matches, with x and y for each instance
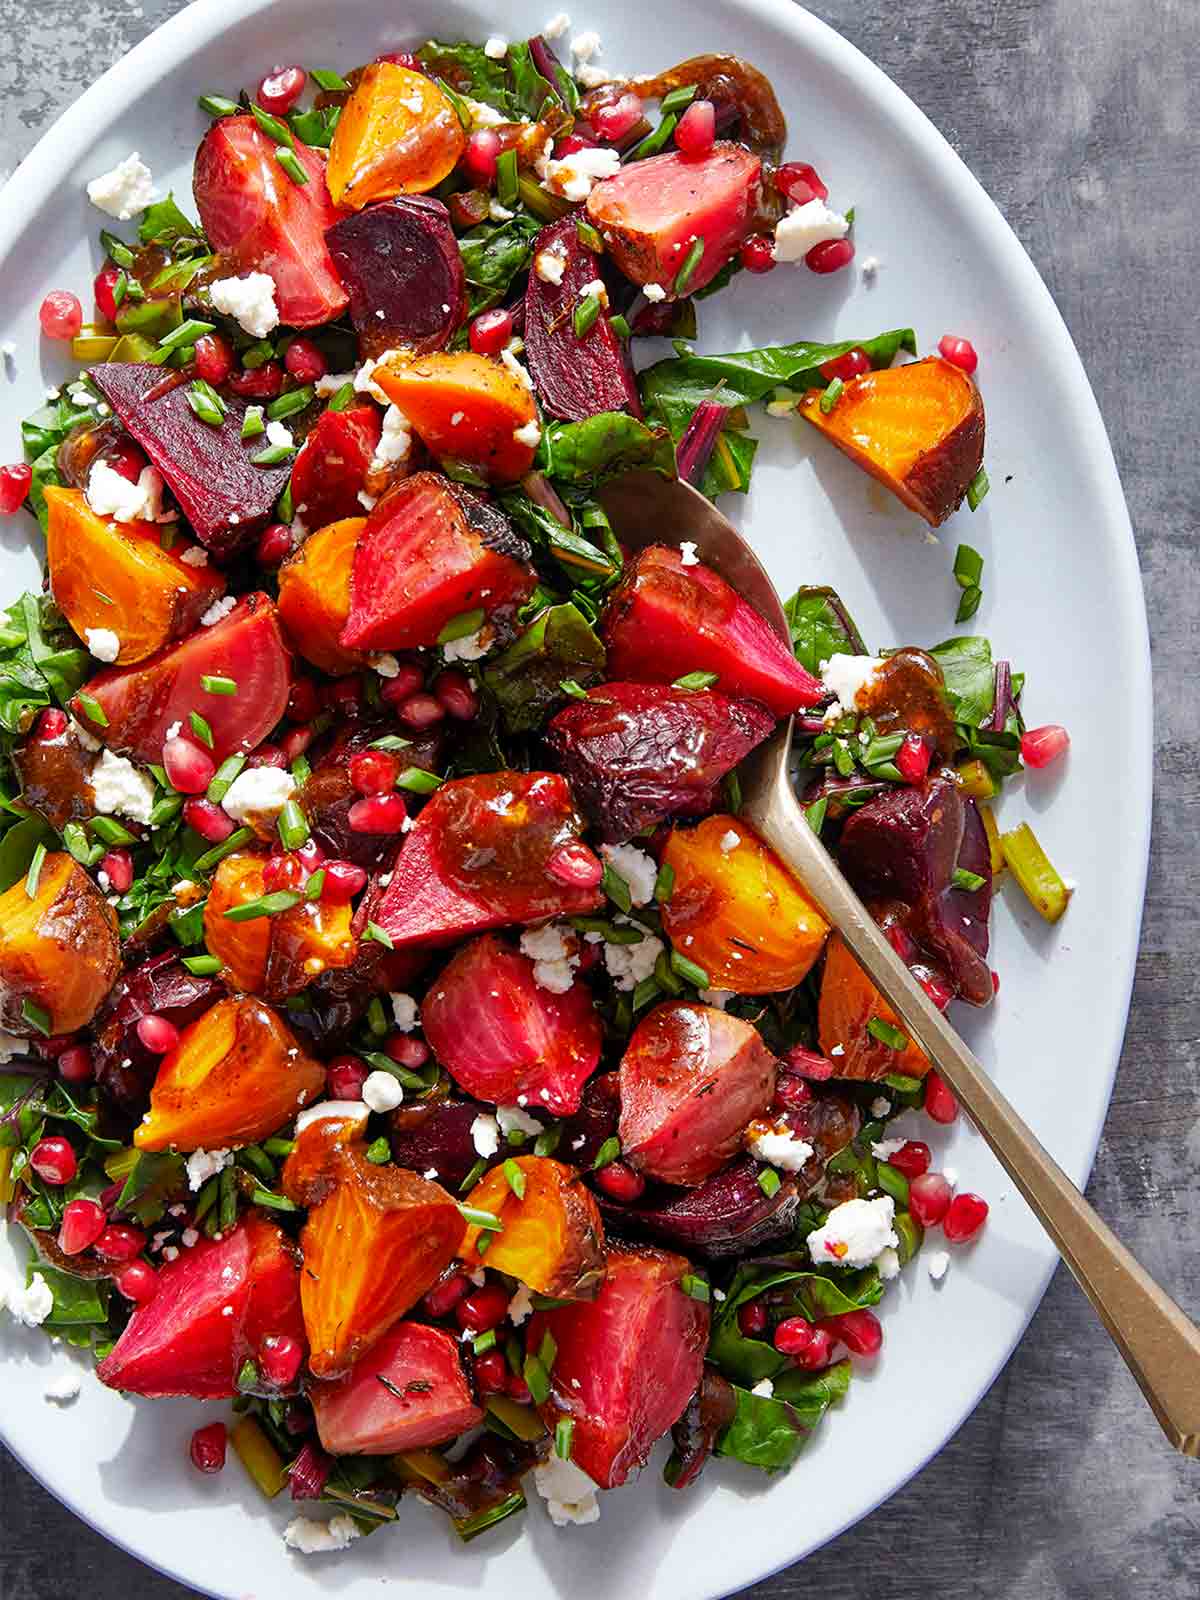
(628, 964)
(586, 45)
(569, 1493)
(654, 291)
(592, 77)
(281, 437)
(404, 1011)
(496, 49)
(111, 495)
(885, 1149)
(485, 1134)
(11, 1046)
(382, 1092)
(847, 678)
(888, 1264)
(331, 382)
(339, 1110)
(880, 1106)
(937, 1264)
(63, 1390)
(765, 1388)
(717, 998)
(687, 551)
(126, 190)
(574, 176)
(205, 1164)
(729, 841)
(218, 611)
(552, 950)
(509, 357)
(258, 792)
(103, 643)
(804, 227)
(854, 1233)
(520, 1306)
(557, 26)
(482, 115)
(395, 440)
(120, 789)
(499, 213)
(550, 265)
(870, 269)
(196, 556)
(471, 646)
(637, 868)
(776, 1144)
(512, 1118)
(311, 1537)
(384, 663)
(530, 434)
(250, 301)
(30, 1304)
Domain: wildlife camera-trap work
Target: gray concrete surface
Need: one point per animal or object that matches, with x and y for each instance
(1082, 119)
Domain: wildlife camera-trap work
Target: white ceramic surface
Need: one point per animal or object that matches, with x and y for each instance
(1062, 599)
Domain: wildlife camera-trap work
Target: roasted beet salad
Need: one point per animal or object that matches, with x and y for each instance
(408, 1046)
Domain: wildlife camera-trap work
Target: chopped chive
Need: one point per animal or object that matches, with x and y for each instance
(475, 1218)
(235, 841)
(677, 99)
(292, 165)
(257, 356)
(548, 1140)
(515, 1178)
(831, 396)
(616, 888)
(217, 685)
(506, 177)
(266, 905)
(344, 397)
(380, 935)
(619, 326)
(665, 975)
(695, 680)
(92, 709)
(216, 105)
(548, 1350)
(205, 966)
(291, 402)
(120, 288)
(461, 626)
(978, 489)
(969, 604)
(968, 567)
(731, 790)
(165, 810)
(36, 1016)
(473, 1177)
(111, 831)
(564, 1434)
(694, 1286)
(589, 236)
(483, 1342)
(223, 777)
(570, 687)
(276, 1202)
(645, 991)
(815, 814)
(35, 872)
(200, 728)
(390, 741)
(252, 423)
(292, 825)
(664, 884)
(377, 1020)
(274, 455)
(279, 1148)
(315, 886)
(962, 879)
(417, 781)
(690, 262)
(768, 1181)
(585, 315)
(206, 403)
(331, 82)
(76, 841)
(118, 251)
(655, 140)
(285, 509)
(608, 1152)
(379, 1153)
(537, 1380)
(879, 1028)
(688, 970)
(186, 333)
(275, 130)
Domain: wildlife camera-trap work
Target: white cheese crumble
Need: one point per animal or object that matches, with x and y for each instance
(687, 554)
(509, 358)
(384, 663)
(596, 286)
(512, 1119)
(628, 964)
(471, 646)
(258, 792)
(586, 45)
(120, 789)
(937, 1264)
(205, 1164)
(764, 1387)
(569, 1493)
(880, 1106)
(11, 1046)
(855, 1233)
(592, 77)
(218, 611)
(848, 678)
(717, 998)
(311, 1537)
(550, 265)
(382, 1092)
(86, 740)
(556, 26)
(404, 1011)
(552, 949)
(888, 1264)
(654, 291)
(530, 434)
(395, 440)
(805, 227)
(729, 841)
(499, 213)
(195, 556)
(575, 175)
(29, 1305)
(951, 1176)
(870, 269)
(103, 643)
(885, 1149)
(280, 436)
(638, 869)
(110, 495)
(340, 1110)
(520, 1306)
(776, 1144)
(250, 301)
(485, 1134)
(63, 1390)
(496, 49)
(482, 115)
(127, 189)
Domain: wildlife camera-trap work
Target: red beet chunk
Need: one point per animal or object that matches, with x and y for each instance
(141, 702)
(574, 377)
(691, 1080)
(627, 1362)
(652, 212)
(430, 551)
(637, 753)
(666, 620)
(500, 1034)
(726, 1215)
(160, 987)
(401, 264)
(408, 1392)
(225, 497)
(261, 221)
(478, 857)
(331, 467)
(435, 1136)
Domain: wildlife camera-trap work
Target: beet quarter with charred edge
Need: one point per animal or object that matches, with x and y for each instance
(407, 1393)
(403, 269)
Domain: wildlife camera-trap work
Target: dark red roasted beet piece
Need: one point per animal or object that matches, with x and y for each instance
(431, 550)
(666, 619)
(141, 702)
(55, 777)
(638, 753)
(331, 467)
(504, 1038)
(574, 377)
(403, 269)
(709, 1412)
(478, 857)
(260, 224)
(225, 497)
(595, 1122)
(691, 1079)
(727, 1215)
(328, 794)
(160, 987)
(627, 1362)
(408, 1392)
(435, 1137)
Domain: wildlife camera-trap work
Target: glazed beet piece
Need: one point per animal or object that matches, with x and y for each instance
(328, 794)
(141, 702)
(331, 468)
(627, 1362)
(55, 778)
(430, 551)
(595, 1122)
(505, 1038)
(161, 987)
(710, 1410)
(666, 619)
(225, 497)
(727, 1215)
(638, 753)
(908, 694)
(262, 224)
(479, 857)
(575, 377)
(402, 267)
(828, 1122)
(435, 1136)
(408, 1392)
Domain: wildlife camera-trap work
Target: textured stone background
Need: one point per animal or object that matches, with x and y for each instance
(1082, 119)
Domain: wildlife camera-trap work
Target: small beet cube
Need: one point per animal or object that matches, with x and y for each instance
(403, 268)
(408, 1392)
(331, 467)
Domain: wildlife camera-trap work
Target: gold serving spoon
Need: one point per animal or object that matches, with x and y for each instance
(1160, 1345)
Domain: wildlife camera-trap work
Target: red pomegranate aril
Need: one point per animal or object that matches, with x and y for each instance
(799, 182)
(104, 290)
(54, 1160)
(850, 364)
(214, 358)
(304, 361)
(310, 855)
(303, 700)
(752, 1318)
(571, 144)
(479, 158)
(860, 1331)
(757, 254)
(576, 866)
(819, 1352)
(378, 813)
(284, 871)
(120, 1242)
(296, 741)
(929, 1197)
(117, 866)
(421, 711)
(207, 1448)
(345, 697)
(490, 331)
(518, 1389)
(15, 481)
(615, 120)
(274, 544)
(189, 768)
(793, 1336)
(940, 1104)
(831, 255)
(126, 456)
(83, 1221)
(402, 58)
(441, 1300)
(995, 981)
(491, 1372)
(406, 1051)
(912, 1158)
(279, 1359)
(343, 880)
(158, 1034)
(75, 1064)
(345, 1077)
(374, 771)
(960, 352)
(52, 724)
(408, 680)
(966, 1215)
(281, 88)
(212, 824)
(697, 129)
(620, 1182)
(455, 693)
(267, 755)
(60, 314)
(482, 1309)
(1041, 746)
(258, 383)
(138, 1282)
(912, 758)
(938, 990)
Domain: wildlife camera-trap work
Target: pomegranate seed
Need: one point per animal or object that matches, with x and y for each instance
(279, 1359)
(938, 990)
(212, 824)
(378, 813)
(60, 315)
(851, 364)
(127, 458)
(284, 872)
(912, 1159)
(491, 1372)
(346, 696)
(406, 1051)
(274, 544)
(343, 880)
(1041, 746)
(345, 1077)
(189, 768)
(455, 693)
(296, 741)
(120, 1242)
(518, 1389)
(482, 1309)
(104, 290)
(304, 361)
(207, 1448)
(620, 1182)
(793, 1336)
(697, 129)
(575, 865)
(799, 182)
(966, 1215)
(311, 854)
(14, 486)
(912, 758)
(281, 88)
(408, 680)
(138, 1282)
(117, 866)
(75, 1064)
(571, 144)
(83, 1221)
(374, 771)
(619, 117)
(752, 1318)
(819, 1352)
(758, 253)
(54, 1159)
(479, 158)
(995, 982)
(267, 755)
(929, 1197)
(303, 701)
(441, 1300)
(402, 58)
(490, 331)
(52, 724)
(258, 383)
(860, 1331)
(420, 711)
(831, 255)
(158, 1034)
(213, 358)
(940, 1104)
(959, 352)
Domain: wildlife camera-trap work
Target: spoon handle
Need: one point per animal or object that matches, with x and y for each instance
(1160, 1345)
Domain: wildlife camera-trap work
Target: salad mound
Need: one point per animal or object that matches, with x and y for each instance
(407, 1045)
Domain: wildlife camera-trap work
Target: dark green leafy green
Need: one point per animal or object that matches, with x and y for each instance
(163, 223)
(589, 452)
(813, 1294)
(529, 88)
(466, 68)
(970, 674)
(770, 1431)
(18, 847)
(493, 255)
(590, 565)
(526, 678)
(45, 430)
(156, 1177)
(821, 627)
(77, 1301)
